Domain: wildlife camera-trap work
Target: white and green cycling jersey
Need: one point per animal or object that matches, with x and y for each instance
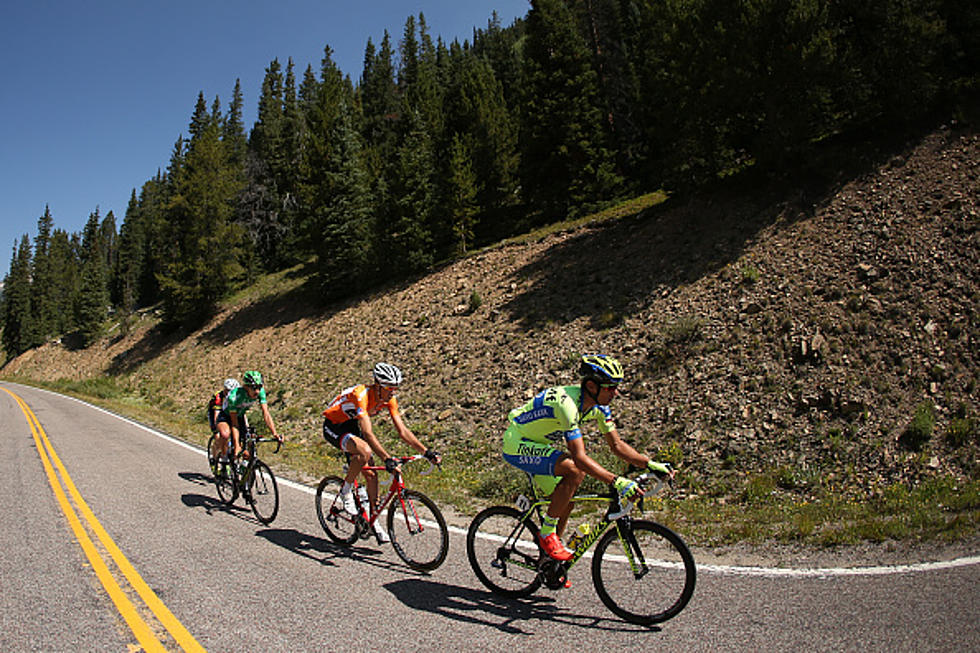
(239, 402)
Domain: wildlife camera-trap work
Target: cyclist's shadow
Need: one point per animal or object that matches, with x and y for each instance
(326, 552)
(488, 609)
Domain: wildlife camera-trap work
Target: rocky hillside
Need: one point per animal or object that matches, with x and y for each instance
(791, 330)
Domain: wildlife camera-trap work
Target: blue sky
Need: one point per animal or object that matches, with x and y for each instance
(96, 93)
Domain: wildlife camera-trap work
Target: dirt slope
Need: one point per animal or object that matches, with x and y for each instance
(780, 329)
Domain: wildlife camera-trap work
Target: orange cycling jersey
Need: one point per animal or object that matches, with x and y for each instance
(354, 401)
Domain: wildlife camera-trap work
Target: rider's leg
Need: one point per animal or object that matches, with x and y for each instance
(360, 454)
(371, 481)
(561, 499)
(221, 439)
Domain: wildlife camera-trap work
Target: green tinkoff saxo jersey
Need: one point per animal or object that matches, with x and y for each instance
(555, 415)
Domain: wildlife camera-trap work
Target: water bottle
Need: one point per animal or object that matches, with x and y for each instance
(579, 536)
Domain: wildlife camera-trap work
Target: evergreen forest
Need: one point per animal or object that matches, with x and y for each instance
(440, 148)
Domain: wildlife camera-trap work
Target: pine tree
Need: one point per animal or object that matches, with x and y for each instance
(65, 280)
(42, 283)
(477, 112)
(19, 327)
(565, 161)
(462, 196)
(129, 263)
(206, 245)
(234, 130)
(408, 240)
(344, 213)
(93, 300)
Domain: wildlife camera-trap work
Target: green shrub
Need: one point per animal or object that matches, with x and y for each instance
(961, 427)
(919, 430)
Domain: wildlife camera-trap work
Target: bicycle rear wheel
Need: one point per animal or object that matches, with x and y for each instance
(340, 526)
(210, 455)
(263, 492)
(418, 531)
(644, 573)
(503, 551)
(227, 483)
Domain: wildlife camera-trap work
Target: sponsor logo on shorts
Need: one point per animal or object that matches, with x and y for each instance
(529, 450)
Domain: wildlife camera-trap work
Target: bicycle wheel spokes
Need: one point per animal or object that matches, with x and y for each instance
(645, 577)
(418, 531)
(503, 551)
(263, 492)
(339, 526)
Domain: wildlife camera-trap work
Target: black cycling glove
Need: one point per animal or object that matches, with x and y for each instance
(391, 464)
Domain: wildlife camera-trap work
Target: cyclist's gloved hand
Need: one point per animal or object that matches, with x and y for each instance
(626, 488)
(662, 470)
(391, 464)
(433, 456)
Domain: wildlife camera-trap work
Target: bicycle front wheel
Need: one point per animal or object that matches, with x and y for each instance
(340, 526)
(418, 531)
(263, 492)
(503, 551)
(643, 572)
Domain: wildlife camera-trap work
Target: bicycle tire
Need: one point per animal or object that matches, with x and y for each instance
(418, 531)
(263, 492)
(210, 455)
(226, 481)
(665, 584)
(339, 526)
(503, 551)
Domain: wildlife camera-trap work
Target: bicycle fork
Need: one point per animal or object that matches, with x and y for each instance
(631, 548)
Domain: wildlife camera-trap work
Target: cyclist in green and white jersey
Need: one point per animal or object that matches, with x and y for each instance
(533, 443)
(231, 420)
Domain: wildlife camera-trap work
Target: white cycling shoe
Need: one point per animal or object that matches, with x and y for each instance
(380, 533)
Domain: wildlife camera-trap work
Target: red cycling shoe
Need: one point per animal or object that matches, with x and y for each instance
(554, 548)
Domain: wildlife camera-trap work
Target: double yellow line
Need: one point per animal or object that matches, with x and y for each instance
(141, 629)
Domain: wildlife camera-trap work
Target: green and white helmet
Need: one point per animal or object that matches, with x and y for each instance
(252, 378)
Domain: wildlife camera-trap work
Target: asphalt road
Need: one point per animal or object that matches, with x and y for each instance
(232, 584)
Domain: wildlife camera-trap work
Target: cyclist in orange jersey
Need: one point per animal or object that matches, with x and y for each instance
(347, 426)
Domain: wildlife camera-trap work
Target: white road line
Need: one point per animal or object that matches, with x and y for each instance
(781, 572)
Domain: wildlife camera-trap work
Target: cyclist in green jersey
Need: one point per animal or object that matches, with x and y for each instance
(554, 417)
(231, 419)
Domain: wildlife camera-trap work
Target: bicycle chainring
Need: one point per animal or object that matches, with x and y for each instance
(552, 572)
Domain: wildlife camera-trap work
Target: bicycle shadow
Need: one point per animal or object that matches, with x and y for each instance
(326, 552)
(213, 505)
(484, 608)
(196, 478)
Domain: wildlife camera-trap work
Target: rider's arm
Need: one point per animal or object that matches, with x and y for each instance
(576, 449)
(405, 433)
(624, 451)
(364, 421)
(267, 416)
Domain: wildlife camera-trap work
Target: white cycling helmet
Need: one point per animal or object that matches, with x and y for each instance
(231, 384)
(387, 374)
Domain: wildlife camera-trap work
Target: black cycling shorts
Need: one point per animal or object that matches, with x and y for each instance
(337, 434)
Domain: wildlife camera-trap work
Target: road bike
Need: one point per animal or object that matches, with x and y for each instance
(415, 524)
(641, 570)
(247, 476)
